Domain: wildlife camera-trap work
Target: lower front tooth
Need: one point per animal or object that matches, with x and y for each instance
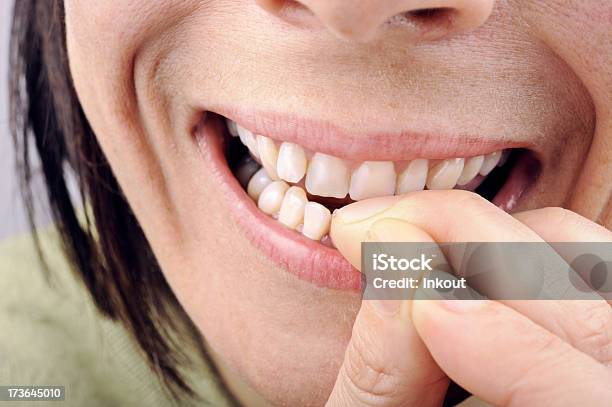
(259, 181)
(292, 209)
(470, 169)
(268, 153)
(372, 179)
(444, 175)
(317, 219)
(490, 161)
(413, 178)
(271, 198)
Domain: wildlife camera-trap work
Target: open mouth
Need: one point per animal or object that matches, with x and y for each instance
(297, 188)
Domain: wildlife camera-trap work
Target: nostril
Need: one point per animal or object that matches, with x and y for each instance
(431, 23)
(283, 7)
(292, 5)
(429, 14)
(291, 11)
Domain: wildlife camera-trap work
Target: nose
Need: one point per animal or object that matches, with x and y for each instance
(361, 20)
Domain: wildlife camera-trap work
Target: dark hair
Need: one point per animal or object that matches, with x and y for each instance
(105, 245)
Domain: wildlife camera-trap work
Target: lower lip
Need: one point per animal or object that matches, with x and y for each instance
(307, 259)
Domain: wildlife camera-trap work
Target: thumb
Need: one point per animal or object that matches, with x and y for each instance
(386, 363)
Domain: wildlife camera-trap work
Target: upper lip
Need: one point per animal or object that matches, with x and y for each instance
(328, 138)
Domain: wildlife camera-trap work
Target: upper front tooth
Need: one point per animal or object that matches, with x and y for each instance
(327, 176)
(490, 161)
(413, 178)
(372, 179)
(271, 197)
(470, 169)
(292, 209)
(248, 139)
(259, 181)
(291, 165)
(231, 127)
(444, 175)
(268, 154)
(317, 219)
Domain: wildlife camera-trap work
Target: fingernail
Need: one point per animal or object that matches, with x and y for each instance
(362, 210)
(387, 307)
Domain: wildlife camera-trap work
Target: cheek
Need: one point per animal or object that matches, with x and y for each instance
(103, 41)
(258, 318)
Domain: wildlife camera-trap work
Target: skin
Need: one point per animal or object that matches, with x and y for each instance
(545, 352)
(146, 70)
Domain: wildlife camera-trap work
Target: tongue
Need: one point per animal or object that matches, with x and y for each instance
(472, 185)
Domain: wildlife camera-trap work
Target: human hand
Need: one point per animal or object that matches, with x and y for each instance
(510, 353)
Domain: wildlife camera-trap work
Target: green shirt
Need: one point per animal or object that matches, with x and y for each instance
(52, 334)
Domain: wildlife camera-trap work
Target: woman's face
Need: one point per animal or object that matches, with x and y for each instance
(359, 80)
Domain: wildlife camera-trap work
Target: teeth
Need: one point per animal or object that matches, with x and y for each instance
(372, 179)
(413, 178)
(317, 219)
(268, 153)
(291, 165)
(246, 169)
(444, 175)
(490, 161)
(248, 139)
(292, 209)
(504, 158)
(271, 198)
(470, 169)
(327, 176)
(231, 127)
(259, 181)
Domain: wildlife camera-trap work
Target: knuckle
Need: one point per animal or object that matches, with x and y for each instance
(529, 380)
(368, 378)
(594, 335)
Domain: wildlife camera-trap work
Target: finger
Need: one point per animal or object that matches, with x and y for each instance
(562, 225)
(386, 363)
(587, 325)
(583, 244)
(512, 270)
(447, 216)
(504, 358)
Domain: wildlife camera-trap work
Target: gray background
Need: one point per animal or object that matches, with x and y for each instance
(12, 218)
